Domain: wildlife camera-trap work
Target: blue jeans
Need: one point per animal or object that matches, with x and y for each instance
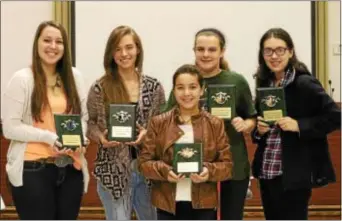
(139, 200)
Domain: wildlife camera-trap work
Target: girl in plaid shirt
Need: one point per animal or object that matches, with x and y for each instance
(292, 155)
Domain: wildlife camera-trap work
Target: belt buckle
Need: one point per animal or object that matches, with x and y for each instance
(63, 161)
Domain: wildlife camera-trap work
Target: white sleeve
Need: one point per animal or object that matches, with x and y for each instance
(82, 93)
(13, 110)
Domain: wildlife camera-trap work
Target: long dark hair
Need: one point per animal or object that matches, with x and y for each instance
(63, 68)
(264, 75)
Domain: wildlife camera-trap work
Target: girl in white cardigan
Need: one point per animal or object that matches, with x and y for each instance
(41, 188)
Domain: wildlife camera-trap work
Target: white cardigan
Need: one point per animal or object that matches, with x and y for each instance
(18, 124)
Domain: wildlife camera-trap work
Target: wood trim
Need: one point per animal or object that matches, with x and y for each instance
(251, 212)
(313, 38)
(321, 42)
(62, 13)
(72, 34)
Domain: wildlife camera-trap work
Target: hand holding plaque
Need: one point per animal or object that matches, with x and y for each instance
(69, 130)
(271, 103)
(262, 126)
(221, 100)
(200, 178)
(142, 133)
(106, 143)
(187, 158)
(174, 178)
(288, 124)
(122, 122)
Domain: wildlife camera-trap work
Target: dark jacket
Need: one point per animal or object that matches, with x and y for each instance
(156, 156)
(306, 160)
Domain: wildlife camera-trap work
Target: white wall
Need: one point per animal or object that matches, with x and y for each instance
(19, 21)
(334, 40)
(167, 30)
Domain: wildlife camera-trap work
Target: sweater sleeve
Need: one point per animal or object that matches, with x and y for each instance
(158, 100)
(14, 100)
(328, 115)
(171, 102)
(246, 107)
(94, 98)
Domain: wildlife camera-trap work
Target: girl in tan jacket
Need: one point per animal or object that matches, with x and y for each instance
(175, 195)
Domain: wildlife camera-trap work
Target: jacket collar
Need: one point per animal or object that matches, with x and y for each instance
(174, 132)
(176, 114)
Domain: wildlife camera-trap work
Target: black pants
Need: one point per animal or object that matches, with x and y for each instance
(283, 204)
(184, 211)
(48, 192)
(233, 195)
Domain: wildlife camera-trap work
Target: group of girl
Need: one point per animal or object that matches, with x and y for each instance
(291, 156)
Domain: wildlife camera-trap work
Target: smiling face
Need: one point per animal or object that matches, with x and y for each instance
(208, 53)
(50, 46)
(187, 91)
(125, 53)
(276, 54)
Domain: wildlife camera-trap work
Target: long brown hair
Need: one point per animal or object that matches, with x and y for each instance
(217, 33)
(111, 82)
(63, 68)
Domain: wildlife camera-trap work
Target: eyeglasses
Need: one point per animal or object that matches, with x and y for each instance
(279, 51)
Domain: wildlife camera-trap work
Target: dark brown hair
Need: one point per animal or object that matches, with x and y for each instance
(215, 32)
(264, 75)
(188, 69)
(63, 68)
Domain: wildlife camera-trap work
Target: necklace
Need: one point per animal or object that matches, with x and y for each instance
(185, 121)
(58, 83)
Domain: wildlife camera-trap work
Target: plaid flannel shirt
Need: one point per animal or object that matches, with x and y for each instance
(271, 164)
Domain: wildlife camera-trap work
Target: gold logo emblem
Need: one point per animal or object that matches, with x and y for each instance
(270, 100)
(220, 97)
(187, 152)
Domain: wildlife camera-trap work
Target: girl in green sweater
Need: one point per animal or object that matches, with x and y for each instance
(209, 49)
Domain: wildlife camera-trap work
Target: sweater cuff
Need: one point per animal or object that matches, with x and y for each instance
(256, 135)
(48, 137)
